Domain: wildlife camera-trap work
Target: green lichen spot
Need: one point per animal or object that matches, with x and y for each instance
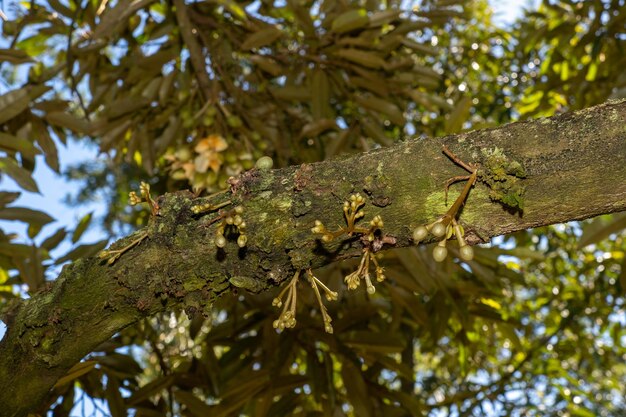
(502, 175)
(284, 204)
(246, 283)
(193, 284)
(435, 203)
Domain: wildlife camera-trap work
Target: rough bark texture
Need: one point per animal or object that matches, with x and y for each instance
(576, 166)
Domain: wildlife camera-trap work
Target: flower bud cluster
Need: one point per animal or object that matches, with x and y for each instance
(447, 225)
(287, 318)
(232, 222)
(352, 211)
(441, 230)
(144, 197)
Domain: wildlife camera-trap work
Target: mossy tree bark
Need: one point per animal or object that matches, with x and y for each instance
(575, 165)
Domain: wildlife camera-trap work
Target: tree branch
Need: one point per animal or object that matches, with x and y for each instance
(576, 169)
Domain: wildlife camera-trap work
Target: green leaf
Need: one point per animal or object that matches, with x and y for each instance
(238, 390)
(267, 64)
(381, 106)
(76, 371)
(21, 176)
(25, 215)
(46, 143)
(461, 112)
(62, 9)
(115, 132)
(13, 103)
(34, 45)
(234, 8)
(31, 268)
(373, 130)
(374, 342)
(317, 127)
(291, 92)
(580, 411)
(349, 21)
(320, 95)
(592, 72)
(383, 17)
(124, 364)
(15, 249)
(7, 197)
(407, 301)
(114, 398)
(261, 38)
(378, 86)
(82, 226)
(366, 59)
(356, 388)
(194, 405)
(508, 331)
(150, 389)
(622, 275)
(462, 355)
(419, 47)
(68, 121)
(114, 17)
(33, 230)
(53, 240)
(602, 227)
(302, 16)
(14, 144)
(14, 56)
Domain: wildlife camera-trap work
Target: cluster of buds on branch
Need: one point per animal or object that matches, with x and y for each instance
(371, 237)
(287, 318)
(144, 197)
(232, 222)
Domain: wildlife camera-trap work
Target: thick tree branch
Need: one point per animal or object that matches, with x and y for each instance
(576, 166)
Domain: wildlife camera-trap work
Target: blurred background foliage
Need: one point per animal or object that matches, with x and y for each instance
(187, 94)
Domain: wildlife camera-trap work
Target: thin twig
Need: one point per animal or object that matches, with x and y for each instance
(471, 179)
(68, 62)
(457, 160)
(195, 50)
